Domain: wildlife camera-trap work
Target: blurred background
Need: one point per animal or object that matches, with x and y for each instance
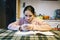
(12, 10)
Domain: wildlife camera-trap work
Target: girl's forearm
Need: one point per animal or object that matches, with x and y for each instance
(42, 27)
(13, 26)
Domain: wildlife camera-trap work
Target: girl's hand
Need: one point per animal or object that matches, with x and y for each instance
(26, 27)
(29, 27)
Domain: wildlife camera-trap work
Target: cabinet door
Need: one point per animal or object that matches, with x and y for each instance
(7, 12)
(2, 14)
(10, 11)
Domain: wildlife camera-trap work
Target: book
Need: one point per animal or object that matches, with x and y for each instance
(21, 33)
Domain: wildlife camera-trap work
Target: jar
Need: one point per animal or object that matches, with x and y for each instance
(46, 17)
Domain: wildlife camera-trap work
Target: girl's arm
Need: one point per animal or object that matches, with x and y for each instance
(41, 25)
(14, 25)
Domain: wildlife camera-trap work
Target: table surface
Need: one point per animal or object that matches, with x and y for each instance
(10, 35)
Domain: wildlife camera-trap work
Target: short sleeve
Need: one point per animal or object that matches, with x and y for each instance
(21, 21)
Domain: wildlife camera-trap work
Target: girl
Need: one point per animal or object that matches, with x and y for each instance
(29, 22)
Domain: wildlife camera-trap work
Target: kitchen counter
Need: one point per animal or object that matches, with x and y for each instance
(52, 20)
(53, 23)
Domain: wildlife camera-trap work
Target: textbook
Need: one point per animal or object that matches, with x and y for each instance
(21, 33)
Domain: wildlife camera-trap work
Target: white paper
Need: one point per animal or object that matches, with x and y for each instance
(45, 33)
(19, 33)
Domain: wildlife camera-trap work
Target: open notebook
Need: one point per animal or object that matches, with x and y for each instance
(19, 33)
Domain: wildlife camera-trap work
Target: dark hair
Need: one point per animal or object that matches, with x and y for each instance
(30, 8)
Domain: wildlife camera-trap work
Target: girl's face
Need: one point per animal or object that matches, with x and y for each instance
(28, 16)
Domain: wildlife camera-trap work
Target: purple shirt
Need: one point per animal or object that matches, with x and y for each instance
(23, 21)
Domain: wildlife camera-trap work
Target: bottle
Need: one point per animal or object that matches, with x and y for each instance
(40, 16)
(58, 26)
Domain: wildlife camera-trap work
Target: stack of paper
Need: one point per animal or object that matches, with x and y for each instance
(19, 33)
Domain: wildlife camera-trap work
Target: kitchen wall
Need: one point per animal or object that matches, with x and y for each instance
(41, 7)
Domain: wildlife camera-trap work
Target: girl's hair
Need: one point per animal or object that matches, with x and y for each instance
(30, 8)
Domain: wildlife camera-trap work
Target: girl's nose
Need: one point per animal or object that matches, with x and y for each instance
(28, 18)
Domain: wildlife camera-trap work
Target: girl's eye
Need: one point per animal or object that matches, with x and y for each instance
(29, 15)
(25, 15)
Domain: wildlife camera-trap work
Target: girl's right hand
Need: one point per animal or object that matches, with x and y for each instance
(26, 27)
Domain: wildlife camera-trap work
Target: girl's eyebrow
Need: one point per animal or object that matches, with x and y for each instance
(28, 15)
